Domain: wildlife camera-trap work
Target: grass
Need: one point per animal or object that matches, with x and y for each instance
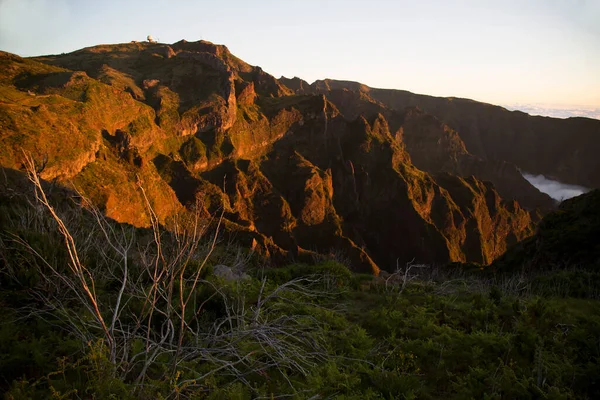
(448, 332)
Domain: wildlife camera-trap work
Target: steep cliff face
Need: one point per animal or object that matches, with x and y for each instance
(400, 212)
(298, 174)
(434, 146)
(563, 149)
(297, 85)
(565, 239)
(61, 115)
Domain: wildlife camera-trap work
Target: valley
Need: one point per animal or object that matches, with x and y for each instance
(177, 223)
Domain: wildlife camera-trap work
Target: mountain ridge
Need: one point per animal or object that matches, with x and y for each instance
(297, 179)
(483, 140)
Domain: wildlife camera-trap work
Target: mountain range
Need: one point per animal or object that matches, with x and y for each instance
(298, 170)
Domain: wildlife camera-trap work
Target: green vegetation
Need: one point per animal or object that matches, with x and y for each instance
(256, 332)
(167, 111)
(567, 237)
(171, 308)
(193, 151)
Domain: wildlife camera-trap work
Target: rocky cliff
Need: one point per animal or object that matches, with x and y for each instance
(561, 149)
(433, 145)
(300, 171)
(565, 239)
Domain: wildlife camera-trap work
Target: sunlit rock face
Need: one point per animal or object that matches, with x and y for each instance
(555, 189)
(295, 172)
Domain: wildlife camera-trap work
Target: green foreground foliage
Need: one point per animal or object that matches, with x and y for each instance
(423, 343)
(302, 331)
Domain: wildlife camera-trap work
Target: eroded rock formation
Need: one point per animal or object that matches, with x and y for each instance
(300, 170)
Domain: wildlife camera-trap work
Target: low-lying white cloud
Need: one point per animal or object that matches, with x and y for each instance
(555, 189)
(556, 111)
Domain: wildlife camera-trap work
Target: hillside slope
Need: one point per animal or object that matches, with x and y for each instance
(561, 149)
(432, 144)
(565, 239)
(199, 129)
(301, 330)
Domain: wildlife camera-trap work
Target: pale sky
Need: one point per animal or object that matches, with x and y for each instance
(497, 51)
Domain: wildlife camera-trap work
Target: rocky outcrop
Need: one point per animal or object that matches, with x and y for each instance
(562, 149)
(399, 212)
(508, 181)
(70, 169)
(435, 147)
(246, 94)
(297, 85)
(205, 58)
(220, 51)
(265, 84)
(122, 145)
(221, 116)
(565, 239)
(299, 175)
(229, 273)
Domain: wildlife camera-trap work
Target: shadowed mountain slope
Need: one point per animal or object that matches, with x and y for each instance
(298, 175)
(566, 238)
(561, 149)
(435, 147)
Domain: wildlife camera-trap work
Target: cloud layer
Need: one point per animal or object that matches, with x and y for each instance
(556, 111)
(555, 189)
